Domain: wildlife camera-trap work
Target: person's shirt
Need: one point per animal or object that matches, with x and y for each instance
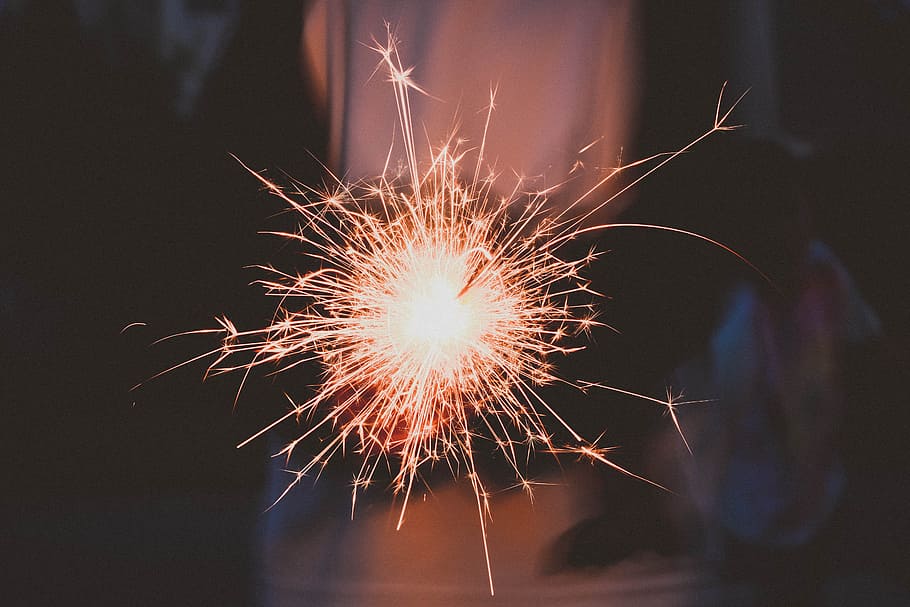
(565, 76)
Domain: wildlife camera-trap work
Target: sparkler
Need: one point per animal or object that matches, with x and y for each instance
(435, 314)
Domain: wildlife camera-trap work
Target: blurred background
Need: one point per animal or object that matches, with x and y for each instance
(121, 204)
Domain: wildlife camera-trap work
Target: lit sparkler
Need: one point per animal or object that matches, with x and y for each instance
(435, 314)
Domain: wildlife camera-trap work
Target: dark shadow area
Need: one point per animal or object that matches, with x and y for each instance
(117, 210)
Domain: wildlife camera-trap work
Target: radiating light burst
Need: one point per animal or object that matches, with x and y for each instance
(436, 313)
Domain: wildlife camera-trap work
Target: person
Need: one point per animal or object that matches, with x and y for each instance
(565, 76)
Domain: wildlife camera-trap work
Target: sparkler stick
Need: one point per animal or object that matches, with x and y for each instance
(435, 314)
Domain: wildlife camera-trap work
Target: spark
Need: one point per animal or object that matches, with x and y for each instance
(131, 325)
(435, 314)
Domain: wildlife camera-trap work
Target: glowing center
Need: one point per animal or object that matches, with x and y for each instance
(434, 315)
(427, 318)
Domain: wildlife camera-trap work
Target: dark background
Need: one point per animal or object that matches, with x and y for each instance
(120, 207)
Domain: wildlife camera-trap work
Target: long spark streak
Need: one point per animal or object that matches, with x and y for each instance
(435, 314)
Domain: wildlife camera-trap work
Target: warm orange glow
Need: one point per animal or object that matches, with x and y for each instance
(437, 312)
